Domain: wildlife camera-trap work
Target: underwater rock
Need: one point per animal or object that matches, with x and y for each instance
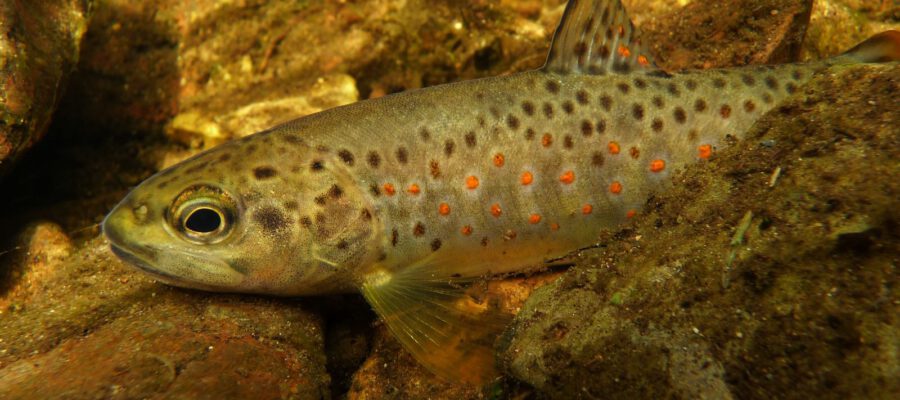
(100, 330)
(769, 273)
(39, 46)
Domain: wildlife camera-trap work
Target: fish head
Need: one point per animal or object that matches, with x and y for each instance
(274, 220)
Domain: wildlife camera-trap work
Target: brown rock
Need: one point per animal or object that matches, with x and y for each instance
(101, 330)
(39, 45)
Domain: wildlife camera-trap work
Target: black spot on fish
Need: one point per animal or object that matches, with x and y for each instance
(719, 83)
(658, 102)
(797, 75)
(749, 106)
(552, 87)
(435, 244)
(640, 83)
(395, 237)
(402, 155)
(790, 88)
(317, 165)
(601, 126)
(264, 172)
(568, 107)
(375, 190)
(365, 214)
(606, 102)
(418, 229)
(449, 146)
(512, 122)
(291, 205)
(270, 219)
(548, 110)
(342, 245)
(680, 115)
(346, 156)
(725, 111)
(305, 221)
(292, 139)
(568, 142)
(484, 241)
(587, 128)
(771, 83)
(597, 159)
(374, 159)
(424, 134)
(224, 157)
(700, 105)
(471, 140)
(529, 133)
(767, 98)
(623, 87)
(748, 79)
(637, 111)
(690, 84)
(657, 124)
(528, 108)
(603, 51)
(335, 192)
(673, 90)
(582, 97)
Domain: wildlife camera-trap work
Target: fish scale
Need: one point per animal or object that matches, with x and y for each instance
(414, 199)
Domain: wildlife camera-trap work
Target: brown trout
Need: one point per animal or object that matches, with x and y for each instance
(412, 197)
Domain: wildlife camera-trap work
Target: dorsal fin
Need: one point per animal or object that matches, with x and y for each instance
(597, 37)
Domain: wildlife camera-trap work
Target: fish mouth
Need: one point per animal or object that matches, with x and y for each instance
(140, 263)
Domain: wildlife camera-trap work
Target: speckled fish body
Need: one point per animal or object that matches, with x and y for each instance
(409, 197)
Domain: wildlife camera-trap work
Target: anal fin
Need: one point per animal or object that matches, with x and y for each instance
(444, 322)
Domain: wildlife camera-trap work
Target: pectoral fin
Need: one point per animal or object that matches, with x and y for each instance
(445, 322)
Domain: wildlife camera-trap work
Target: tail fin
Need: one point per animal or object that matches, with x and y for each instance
(883, 47)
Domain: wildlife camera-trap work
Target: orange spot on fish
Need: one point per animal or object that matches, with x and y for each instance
(614, 148)
(587, 209)
(527, 178)
(534, 218)
(444, 209)
(567, 177)
(615, 187)
(554, 226)
(547, 140)
(466, 230)
(624, 51)
(657, 165)
(414, 189)
(704, 151)
(472, 182)
(499, 160)
(389, 189)
(631, 213)
(495, 210)
(643, 60)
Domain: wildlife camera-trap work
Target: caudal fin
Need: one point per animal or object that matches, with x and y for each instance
(883, 47)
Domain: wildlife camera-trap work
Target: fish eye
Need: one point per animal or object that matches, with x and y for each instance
(203, 220)
(202, 214)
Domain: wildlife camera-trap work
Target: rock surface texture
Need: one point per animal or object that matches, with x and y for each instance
(40, 43)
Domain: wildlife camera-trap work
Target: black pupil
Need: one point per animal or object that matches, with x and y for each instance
(203, 220)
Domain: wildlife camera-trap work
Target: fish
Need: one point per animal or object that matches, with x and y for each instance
(415, 199)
